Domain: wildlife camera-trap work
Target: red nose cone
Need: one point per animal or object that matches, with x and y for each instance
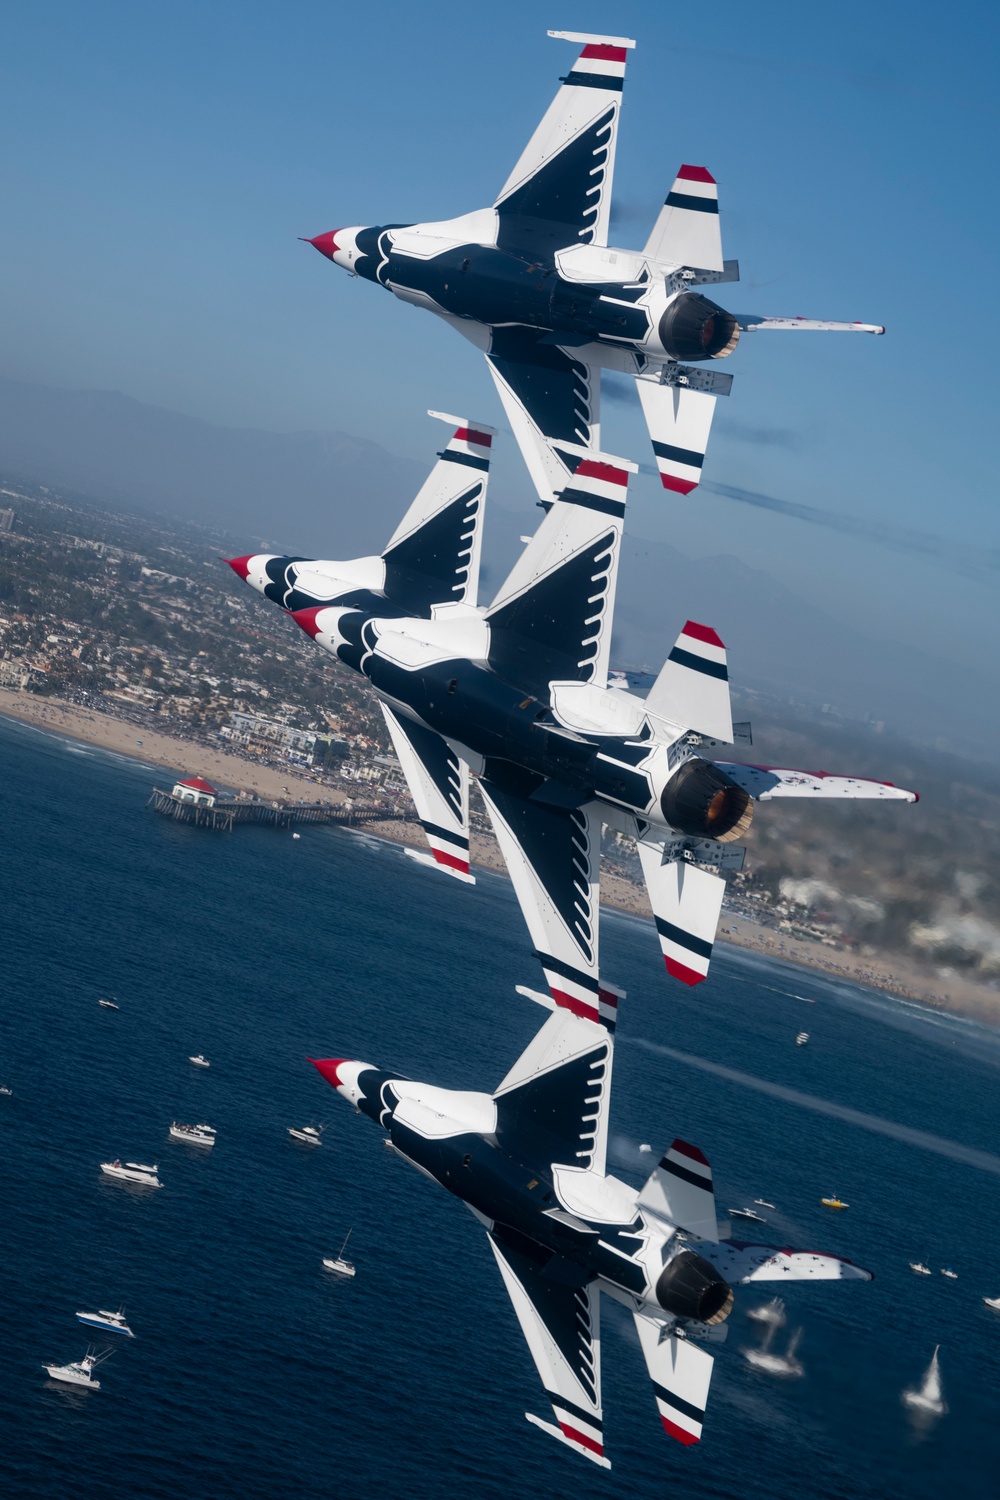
(306, 619)
(328, 1067)
(326, 244)
(240, 565)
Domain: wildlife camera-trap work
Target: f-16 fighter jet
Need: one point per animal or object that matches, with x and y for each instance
(533, 282)
(518, 694)
(530, 1163)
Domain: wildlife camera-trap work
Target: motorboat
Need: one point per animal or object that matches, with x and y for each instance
(834, 1203)
(776, 1364)
(132, 1171)
(747, 1213)
(763, 1203)
(993, 1302)
(645, 1148)
(927, 1398)
(802, 1039)
(199, 1061)
(919, 1269)
(296, 835)
(309, 1135)
(108, 1322)
(387, 1143)
(194, 1135)
(339, 1266)
(947, 1271)
(770, 1313)
(80, 1371)
(5, 1091)
(108, 1005)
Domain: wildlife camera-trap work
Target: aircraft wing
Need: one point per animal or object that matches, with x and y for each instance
(547, 393)
(766, 782)
(439, 786)
(559, 192)
(552, 1107)
(553, 855)
(561, 1323)
(681, 1374)
(740, 1263)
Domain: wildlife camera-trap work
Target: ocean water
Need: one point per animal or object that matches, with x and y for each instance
(256, 1374)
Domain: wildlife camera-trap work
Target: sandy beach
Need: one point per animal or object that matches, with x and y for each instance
(897, 975)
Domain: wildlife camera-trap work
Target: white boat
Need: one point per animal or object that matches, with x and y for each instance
(772, 1313)
(645, 1147)
(747, 1213)
(927, 1398)
(296, 835)
(947, 1271)
(309, 1135)
(387, 1143)
(919, 1269)
(5, 1091)
(199, 1061)
(80, 1372)
(110, 1322)
(802, 1039)
(776, 1364)
(339, 1266)
(763, 1203)
(194, 1135)
(993, 1302)
(108, 1005)
(132, 1171)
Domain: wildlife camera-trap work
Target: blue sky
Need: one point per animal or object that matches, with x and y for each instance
(159, 162)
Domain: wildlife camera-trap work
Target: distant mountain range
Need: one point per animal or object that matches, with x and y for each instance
(313, 491)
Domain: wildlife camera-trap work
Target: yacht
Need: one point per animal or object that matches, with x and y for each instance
(834, 1203)
(199, 1061)
(919, 1269)
(80, 1372)
(108, 1005)
(802, 1039)
(747, 1213)
(993, 1302)
(339, 1266)
(309, 1135)
(927, 1397)
(132, 1171)
(947, 1271)
(109, 1322)
(195, 1135)
(763, 1203)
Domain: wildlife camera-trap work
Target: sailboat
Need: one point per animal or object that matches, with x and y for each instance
(340, 1266)
(928, 1399)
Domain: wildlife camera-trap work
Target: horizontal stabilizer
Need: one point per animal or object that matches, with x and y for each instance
(679, 421)
(686, 903)
(741, 1263)
(433, 555)
(439, 785)
(766, 782)
(681, 1374)
(687, 232)
(680, 1190)
(692, 689)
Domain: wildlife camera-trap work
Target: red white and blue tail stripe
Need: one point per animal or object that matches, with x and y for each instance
(686, 232)
(686, 902)
(681, 1374)
(692, 688)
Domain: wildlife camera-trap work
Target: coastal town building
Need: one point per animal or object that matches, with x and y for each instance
(196, 789)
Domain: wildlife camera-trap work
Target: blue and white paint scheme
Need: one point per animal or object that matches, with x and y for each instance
(534, 284)
(529, 1161)
(518, 697)
(107, 1322)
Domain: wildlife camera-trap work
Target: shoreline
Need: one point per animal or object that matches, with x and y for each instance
(897, 976)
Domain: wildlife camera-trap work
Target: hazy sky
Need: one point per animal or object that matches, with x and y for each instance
(159, 162)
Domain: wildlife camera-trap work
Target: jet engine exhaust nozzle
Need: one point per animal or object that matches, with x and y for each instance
(699, 800)
(695, 328)
(690, 1287)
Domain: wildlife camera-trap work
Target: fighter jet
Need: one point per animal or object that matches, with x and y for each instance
(529, 1161)
(518, 696)
(533, 282)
